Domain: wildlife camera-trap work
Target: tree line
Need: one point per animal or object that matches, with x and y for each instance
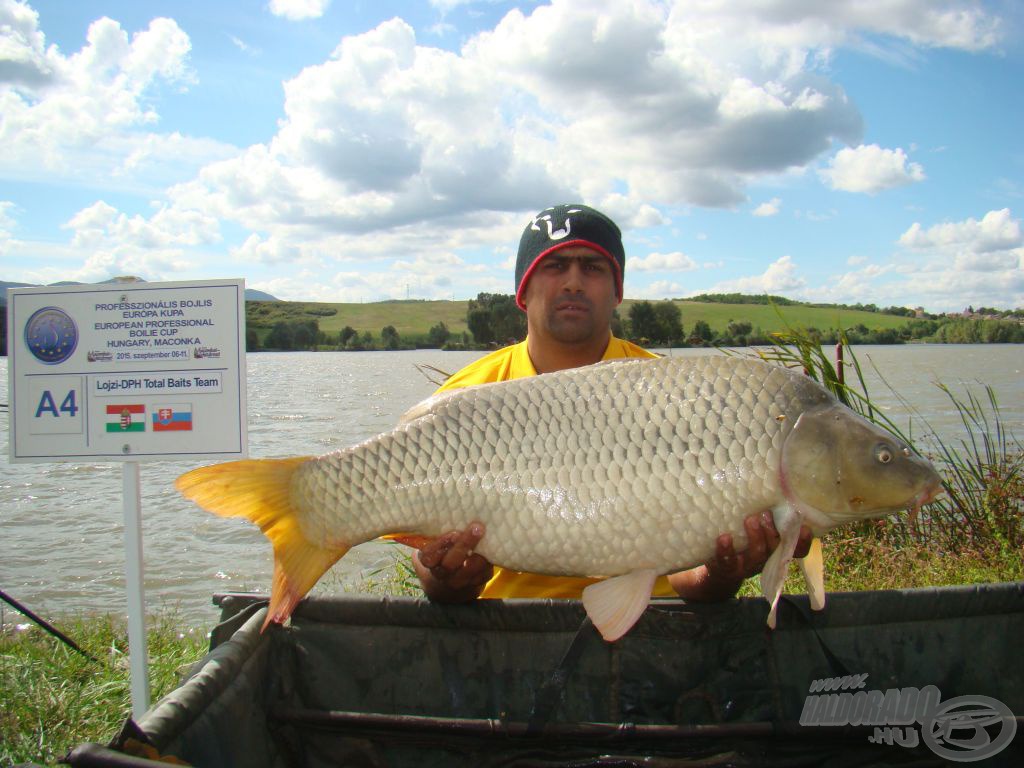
(305, 335)
(493, 320)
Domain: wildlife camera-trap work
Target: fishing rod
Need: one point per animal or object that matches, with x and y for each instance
(45, 625)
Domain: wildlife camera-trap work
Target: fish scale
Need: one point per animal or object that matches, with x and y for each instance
(636, 415)
(624, 470)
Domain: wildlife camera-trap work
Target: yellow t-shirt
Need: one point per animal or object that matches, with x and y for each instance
(513, 362)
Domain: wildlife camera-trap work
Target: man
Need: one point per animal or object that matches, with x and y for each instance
(569, 273)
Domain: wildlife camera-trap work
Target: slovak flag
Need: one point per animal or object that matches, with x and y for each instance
(172, 417)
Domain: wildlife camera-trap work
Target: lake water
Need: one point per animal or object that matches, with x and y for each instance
(61, 538)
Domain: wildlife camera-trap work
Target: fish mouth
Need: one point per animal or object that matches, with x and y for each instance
(930, 493)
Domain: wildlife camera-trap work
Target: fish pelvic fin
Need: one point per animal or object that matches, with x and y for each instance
(773, 575)
(813, 568)
(614, 605)
(414, 540)
(260, 491)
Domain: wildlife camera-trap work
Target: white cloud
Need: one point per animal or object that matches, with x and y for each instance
(943, 267)
(675, 261)
(7, 224)
(362, 286)
(659, 289)
(436, 263)
(86, 117)
(994, 244)
(244, 47)
(769, 208)
(24, 61)
(871, 169)
(817, 216)
(862, 285)
(996, 231)
(297, 10)
(442, 29)
(922, 23)
(690, 116)
(389, 132)
(157, 247)
(779, 278)
(447, 5)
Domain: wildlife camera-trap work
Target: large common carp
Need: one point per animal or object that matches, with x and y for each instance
(626, 469)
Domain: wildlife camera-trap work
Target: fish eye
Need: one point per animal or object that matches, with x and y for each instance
(906, 452)
(883, 453)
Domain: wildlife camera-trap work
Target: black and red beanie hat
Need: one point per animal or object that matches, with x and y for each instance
(560, 227)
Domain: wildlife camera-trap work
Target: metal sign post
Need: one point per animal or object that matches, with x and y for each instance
(128, 372)
(138, 652)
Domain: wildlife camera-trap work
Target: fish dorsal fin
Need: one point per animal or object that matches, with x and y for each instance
(813, 567)
(773, 576)
(615, 604)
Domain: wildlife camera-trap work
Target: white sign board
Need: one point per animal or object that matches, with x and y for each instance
(127, 371)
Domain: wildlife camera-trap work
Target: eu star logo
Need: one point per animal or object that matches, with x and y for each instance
(51, 335)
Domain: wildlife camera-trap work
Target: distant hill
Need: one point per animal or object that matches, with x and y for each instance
(251, 294)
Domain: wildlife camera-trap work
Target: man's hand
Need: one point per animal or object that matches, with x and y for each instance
(720, 577)
(449, 570)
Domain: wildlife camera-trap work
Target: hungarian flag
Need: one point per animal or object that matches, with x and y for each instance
(174, 417)
(126, 418)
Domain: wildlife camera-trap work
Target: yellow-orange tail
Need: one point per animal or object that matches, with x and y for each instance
(260, 490)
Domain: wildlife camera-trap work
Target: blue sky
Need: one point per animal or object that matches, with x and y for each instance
(846, 151)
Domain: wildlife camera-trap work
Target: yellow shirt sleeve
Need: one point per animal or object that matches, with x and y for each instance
(513, 362)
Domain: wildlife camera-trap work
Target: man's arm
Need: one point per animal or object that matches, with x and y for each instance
(720, 578)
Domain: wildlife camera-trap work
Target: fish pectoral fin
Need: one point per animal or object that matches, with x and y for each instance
(773, 575)
(813, 568)
(615, 604)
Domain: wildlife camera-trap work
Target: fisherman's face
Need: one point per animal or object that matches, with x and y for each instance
(571, 295)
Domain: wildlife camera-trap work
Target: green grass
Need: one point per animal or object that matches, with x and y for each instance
(52, 698)
(410, 318)
(771, 319)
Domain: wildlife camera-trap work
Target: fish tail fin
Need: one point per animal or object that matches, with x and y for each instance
(260, 491)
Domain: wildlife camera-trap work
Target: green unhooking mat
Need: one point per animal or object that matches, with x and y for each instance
(910, 677)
